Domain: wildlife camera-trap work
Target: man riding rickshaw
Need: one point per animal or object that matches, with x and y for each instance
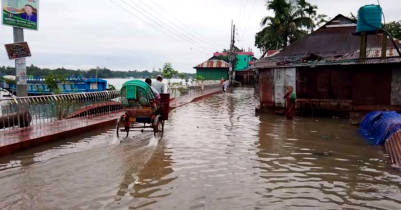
(144, 108)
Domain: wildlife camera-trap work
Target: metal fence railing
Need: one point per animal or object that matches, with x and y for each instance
(36, 110)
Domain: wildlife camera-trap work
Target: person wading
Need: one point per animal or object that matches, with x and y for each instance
(291, 98)
(226, 84)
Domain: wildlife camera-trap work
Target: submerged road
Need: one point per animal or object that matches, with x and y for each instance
(215, 154)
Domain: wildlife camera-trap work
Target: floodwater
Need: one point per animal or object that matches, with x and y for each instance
(215, 154)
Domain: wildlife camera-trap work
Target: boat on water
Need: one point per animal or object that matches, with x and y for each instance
(37, 86)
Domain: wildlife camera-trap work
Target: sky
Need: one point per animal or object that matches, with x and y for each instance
(145, 34)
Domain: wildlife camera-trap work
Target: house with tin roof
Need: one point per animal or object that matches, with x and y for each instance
(329, 73)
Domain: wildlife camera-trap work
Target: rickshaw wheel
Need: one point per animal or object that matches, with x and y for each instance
(158, 127)
(118, 127)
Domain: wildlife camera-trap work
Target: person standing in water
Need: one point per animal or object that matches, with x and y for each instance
(291, 98)
(225, 85)
(222, 81)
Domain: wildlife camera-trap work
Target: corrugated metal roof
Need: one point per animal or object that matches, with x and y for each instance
(294, 62)
(213, 64)
(334, 46)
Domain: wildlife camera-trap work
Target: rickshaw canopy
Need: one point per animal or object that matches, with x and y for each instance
(136, 90)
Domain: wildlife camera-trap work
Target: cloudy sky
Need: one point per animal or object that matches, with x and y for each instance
(144, 34)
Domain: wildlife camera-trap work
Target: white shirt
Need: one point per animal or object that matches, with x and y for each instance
(159, 86)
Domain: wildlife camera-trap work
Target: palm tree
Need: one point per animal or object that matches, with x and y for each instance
(292, 20)
(289, 20)
(320, 20)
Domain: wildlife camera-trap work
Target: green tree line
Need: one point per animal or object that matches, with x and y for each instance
(101, 72)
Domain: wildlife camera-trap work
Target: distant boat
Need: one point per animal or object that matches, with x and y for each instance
(36, 86)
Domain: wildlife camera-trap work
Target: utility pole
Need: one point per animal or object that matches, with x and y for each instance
(20, 65)
(231, 53)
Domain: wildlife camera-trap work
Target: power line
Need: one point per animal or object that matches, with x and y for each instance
(240, 23)
(157, 23)
(249, 18)
(185, 31)
(240, 10)
(155, 27)
(172, 30)
(184, 23)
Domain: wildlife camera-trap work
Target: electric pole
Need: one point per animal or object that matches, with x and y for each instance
(20, 65)
(231, 52)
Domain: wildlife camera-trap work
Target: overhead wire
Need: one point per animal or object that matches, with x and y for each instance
(249, 18)
(172, 30)
(242, 17)
(185, 25)
(193, 38)
(166, 34)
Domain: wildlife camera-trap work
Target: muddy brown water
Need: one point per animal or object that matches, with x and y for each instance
(215, 154)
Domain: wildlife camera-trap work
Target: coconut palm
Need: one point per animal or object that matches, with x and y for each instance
(289, 21)
(292, 20)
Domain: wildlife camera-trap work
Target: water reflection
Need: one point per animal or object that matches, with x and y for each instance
(323, 164)
(215, 154)
(145, 177)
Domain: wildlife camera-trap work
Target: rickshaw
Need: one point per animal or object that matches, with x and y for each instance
(142, 111)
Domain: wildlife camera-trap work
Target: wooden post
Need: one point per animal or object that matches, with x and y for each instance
(362, 51)
(384, 46)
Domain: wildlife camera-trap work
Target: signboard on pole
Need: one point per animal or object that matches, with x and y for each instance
(20, 67)
(20, 13)
(18, 50)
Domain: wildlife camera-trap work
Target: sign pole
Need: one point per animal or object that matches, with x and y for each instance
(20, 66)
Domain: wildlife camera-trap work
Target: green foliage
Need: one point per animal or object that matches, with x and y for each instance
(394, 28)
(353, 17)
(200, 78)
(292, 20)
(10, 81)
(111, 87)
(236, 49)
(168, 71)
(102, 72)
(52, 80)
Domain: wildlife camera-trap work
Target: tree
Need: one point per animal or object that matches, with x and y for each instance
(51, 81)
(320, 20)
(353, 17)
(292, 20)
(111, 87)
(168, 71)
(394, 28)
(199, 80)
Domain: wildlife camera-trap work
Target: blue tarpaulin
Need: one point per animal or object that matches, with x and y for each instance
(378, 126)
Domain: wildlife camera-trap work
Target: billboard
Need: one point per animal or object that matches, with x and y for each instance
(20, 13)
(18, 50)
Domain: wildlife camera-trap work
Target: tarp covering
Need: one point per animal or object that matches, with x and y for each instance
(379, 126)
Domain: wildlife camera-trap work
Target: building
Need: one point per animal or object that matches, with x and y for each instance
(328, 72)
(218, 66)
(213, 69)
